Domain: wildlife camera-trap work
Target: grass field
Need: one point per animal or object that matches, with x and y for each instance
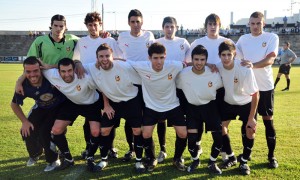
(13, 155)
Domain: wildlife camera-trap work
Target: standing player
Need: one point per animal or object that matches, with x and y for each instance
(177, 49)
(259, 49)
(200, 87)
(134, 45)
(159, 93)
(241, 99)
(287, 57)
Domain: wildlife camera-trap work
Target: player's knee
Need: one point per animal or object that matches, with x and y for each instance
(147, 135)
(105, 131)
(182, 133)
(95, 132)
(136, 131)
(250, 133)
(57, 130)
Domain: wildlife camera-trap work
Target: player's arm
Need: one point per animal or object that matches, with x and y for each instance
(26, 124)
(212, 67)
(110, 112)
(268, 60)
(251, 118)
(19, 88)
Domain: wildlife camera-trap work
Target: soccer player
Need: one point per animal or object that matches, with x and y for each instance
(85, 53)
(83, 99)
(134, 45)
(116, 80)
(200, 87)
(259, 49)
(37, 126)
(159, 94)
(241, 99)
(177, 49)
(287, 57)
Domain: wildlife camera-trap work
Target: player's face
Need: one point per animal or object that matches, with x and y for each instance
(213, 29)
(227, 58)
(135, 23)
(105, 59)
(33, 73)
(284, 46)
(199, 61)
(67, 73)
(169, 30)
(157, 61)
(58, 29)
(94, 29)
(256, 26)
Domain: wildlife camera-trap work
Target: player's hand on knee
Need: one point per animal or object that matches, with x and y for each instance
(25, 129)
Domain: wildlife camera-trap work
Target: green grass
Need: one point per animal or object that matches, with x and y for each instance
(13, 155)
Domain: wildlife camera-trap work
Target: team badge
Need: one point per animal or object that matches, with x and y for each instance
(148, 44)
(181, 47)
(264, 44)
(78, 87)
(236, 80)
(117, 78)
(68, 48)
(170, 76)
(210, 84)
(46, 97)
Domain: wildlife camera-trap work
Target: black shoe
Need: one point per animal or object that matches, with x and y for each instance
(113, 153)
(84, 154)
(213, 167)
(240, 156)
(65, 164)
(231, 161)
(128, 156)
(90, 164)
(193, 166)
(179, 164)
(285, 89)
(151, 164)
(273, 163)
(244, 168)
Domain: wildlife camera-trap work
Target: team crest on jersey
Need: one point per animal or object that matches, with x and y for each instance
(46, 97)
(210, 84)
(170, 76)
(147, 44)
(236, 80)
(117, 78)
(68, 48)
(264, 44)
(181, 47)
(78, 87)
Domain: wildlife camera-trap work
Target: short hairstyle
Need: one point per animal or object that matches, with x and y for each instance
(156, 48)
(102, 47)
(169, 19)
(200, 50)
(31, 60)
(226, 45)
(92, 17)
(58, 17)
(66, 62)
(135, 12)
(257, 14)
(287, 43)
(212, 18)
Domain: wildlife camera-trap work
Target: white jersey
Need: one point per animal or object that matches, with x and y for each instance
(212, 46)
(239, 83)
(256, 49)
(177, 48)
(79, 91)
(86, 47)
(199, 89)
(116, 83)
(159, 89)
(135, 48)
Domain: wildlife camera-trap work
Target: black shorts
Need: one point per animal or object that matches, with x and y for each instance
(130, 110)
(230, 112)
(70, 111)
(266, 103)
(174, 116)
(207, 113)
(284, 69)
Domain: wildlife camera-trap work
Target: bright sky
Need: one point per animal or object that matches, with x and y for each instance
(36, 14)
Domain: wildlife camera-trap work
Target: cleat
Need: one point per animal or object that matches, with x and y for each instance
(161, 156)
(151, 164)
(244, 168)
(240, 156)
(213, 167)
(193, 166)
(128, 156)
(90, 164)
(84, 154)
(231, 161)
(179, 164)
(273, 163)
(52, 166)
(32, 161)
(65, 164)
(113, 153)
(285, 89)
(99, 167)
(139, 167)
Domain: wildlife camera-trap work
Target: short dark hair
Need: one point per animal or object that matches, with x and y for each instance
(58, 17)
(212, 18)
(257, 14)
(135, 12)
(66, 62)
(31, 60)
(226, 45)
(102, 47)
(92, 17)
(156, 48)
(287, 43)
(200, 50)
(169, 19)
